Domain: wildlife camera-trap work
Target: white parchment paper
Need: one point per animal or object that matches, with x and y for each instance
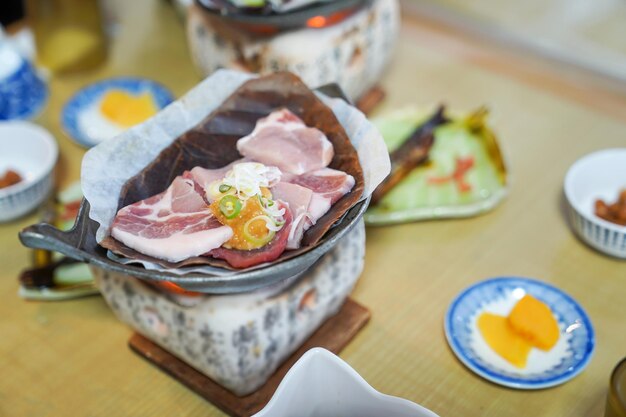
(107, 166)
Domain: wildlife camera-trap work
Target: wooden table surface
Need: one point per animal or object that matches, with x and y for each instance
(70, 358)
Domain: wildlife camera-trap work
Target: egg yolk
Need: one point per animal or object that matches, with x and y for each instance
(126, 109)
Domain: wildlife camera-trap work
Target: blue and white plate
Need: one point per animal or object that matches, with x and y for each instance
(82, 120)
(564, 361)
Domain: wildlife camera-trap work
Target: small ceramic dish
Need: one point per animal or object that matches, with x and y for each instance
(465, 174)
(321, 384)
(32, 152)
(82, 119)
(599, 175)
(564, 361)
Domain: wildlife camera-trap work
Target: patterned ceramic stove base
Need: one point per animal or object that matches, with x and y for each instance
(239, 340)
(334, 335)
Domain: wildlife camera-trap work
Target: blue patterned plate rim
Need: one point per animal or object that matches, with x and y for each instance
(87, 95)
(501, 378)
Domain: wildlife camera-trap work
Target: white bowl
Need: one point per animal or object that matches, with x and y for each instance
(599, 175)
(322, 385)
(32, 152)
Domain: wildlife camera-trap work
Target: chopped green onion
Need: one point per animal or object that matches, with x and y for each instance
(224, 188)
(230, 206)
(256, 240)
(254, 3)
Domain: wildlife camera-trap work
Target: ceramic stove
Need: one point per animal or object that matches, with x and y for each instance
(348, 42)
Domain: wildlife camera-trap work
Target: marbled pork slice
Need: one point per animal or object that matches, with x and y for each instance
(270, 252)
(173, 225)
(325, 186)
(283, 140)
(328, 183)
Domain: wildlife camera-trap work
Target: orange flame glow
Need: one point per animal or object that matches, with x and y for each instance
(175, 288)
(316, 22)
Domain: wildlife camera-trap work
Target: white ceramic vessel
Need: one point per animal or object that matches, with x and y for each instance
(352, 53)
(599, 175)
(32, 152)
(239, 340)
(320, 384)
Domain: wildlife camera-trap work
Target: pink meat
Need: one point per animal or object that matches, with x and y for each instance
(268, 253)
(283, 140)
(298, 199)
(173, 225)
(310, 196)
(327, 182)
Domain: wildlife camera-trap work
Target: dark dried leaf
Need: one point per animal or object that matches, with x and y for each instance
(212, 144)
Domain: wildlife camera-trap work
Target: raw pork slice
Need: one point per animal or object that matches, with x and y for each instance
(173, 225)
(267, 253)
(328, 183)
(298, 199)
(310, 196)
(283, 140)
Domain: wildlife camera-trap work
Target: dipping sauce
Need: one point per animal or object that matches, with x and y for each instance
(248, 234)
(9, 178)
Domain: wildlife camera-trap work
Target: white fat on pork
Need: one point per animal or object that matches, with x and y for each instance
(174, 225)
(283, 140)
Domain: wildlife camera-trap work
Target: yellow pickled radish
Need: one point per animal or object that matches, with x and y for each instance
(499, 335)
(534, 320)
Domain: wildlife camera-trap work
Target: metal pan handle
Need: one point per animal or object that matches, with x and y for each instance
(47, 237)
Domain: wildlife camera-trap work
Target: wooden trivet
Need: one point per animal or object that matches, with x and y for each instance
(333, 335)
(370, 99)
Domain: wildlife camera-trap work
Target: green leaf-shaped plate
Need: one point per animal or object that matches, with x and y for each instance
(465, 174)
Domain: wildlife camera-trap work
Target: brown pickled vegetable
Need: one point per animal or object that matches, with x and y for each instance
(10, 178)
(614, 213)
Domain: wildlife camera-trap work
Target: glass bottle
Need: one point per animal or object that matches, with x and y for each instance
(69, 34)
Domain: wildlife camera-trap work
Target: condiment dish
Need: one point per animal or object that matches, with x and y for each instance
(32, 152)
(544, 369)
(599, 175)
